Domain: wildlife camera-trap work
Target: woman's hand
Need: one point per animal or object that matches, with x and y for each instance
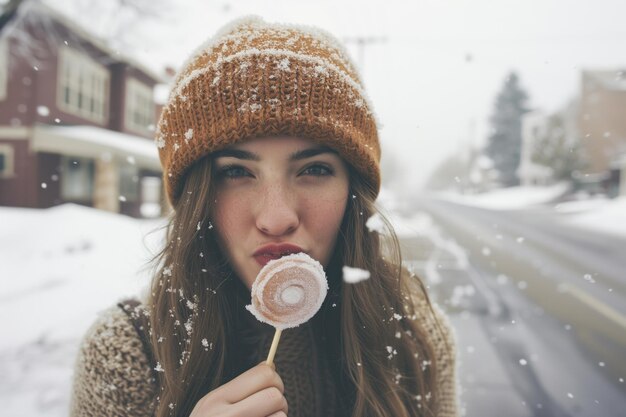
(258, 392)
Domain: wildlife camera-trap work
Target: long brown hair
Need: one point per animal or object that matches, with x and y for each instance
(387, 360)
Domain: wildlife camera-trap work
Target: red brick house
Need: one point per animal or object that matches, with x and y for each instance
(76, 118)
(602, 123)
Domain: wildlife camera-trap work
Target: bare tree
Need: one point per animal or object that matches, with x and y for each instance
(116, 20)
(111, 21)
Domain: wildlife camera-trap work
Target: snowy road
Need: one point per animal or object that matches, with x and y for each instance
(539, 307)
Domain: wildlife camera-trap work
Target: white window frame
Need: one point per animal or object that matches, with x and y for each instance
(139, 107)
(9, 161)
(4, 67)
(83, 85)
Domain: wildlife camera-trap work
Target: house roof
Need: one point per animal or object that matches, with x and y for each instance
(39, 7)
(95, 142)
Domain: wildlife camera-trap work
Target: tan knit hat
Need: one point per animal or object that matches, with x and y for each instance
(257, 79)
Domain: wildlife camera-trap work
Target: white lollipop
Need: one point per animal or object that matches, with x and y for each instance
(288, 292)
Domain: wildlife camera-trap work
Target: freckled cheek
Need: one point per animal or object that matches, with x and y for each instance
(230, 214)
(324, 216)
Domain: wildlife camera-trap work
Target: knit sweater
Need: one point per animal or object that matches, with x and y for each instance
(114, 377)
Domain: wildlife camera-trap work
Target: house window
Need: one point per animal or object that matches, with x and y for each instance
(83, 87)
(77, 178)
(139, 112)
(151, 197)
(4, 67)
(6, 161)
(129, 183)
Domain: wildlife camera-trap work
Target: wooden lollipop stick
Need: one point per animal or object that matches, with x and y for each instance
(270, 357)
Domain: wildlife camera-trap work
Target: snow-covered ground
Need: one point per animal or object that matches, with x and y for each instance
(508, 198)
(60, 266)
(598, 213)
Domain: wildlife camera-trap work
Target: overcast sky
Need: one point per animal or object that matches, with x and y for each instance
(434, 74)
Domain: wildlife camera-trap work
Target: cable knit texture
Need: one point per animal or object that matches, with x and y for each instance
(444, 344)
(113, 376)
(257, 79)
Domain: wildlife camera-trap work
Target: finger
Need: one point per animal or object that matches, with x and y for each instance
(253, 380)
(280, 413)
(263, 403)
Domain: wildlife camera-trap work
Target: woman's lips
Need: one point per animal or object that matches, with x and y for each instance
(264, 259)
(273, 251)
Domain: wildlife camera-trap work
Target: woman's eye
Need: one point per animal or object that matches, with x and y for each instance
(318, 170)
(232, 172)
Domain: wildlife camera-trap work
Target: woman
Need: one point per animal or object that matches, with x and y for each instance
(269, 146)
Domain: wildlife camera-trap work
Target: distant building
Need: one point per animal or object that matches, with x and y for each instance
(593, 126)
(76, 118)
(602, 125)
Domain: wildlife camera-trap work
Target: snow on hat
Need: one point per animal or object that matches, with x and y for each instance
(256, 79)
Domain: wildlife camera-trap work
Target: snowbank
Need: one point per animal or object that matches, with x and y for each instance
(59, 267)
(509, 198)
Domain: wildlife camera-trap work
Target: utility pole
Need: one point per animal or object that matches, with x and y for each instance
(361, 42)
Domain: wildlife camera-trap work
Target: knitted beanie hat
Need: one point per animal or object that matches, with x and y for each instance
(256, 79)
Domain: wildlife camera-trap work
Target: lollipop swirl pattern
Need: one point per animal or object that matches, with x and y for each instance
(288, 291)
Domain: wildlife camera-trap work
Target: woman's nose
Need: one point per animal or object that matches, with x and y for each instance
(277, 213)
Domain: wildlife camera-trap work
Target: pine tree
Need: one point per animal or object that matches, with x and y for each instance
(505, 142)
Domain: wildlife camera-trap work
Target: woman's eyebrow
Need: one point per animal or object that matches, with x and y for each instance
(251, 156)
(236, 153)
(309, 153)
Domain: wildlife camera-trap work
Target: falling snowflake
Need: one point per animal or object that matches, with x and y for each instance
(375, 223)
(354, 275)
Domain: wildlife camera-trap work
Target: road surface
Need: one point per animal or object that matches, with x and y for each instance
(539, 308)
